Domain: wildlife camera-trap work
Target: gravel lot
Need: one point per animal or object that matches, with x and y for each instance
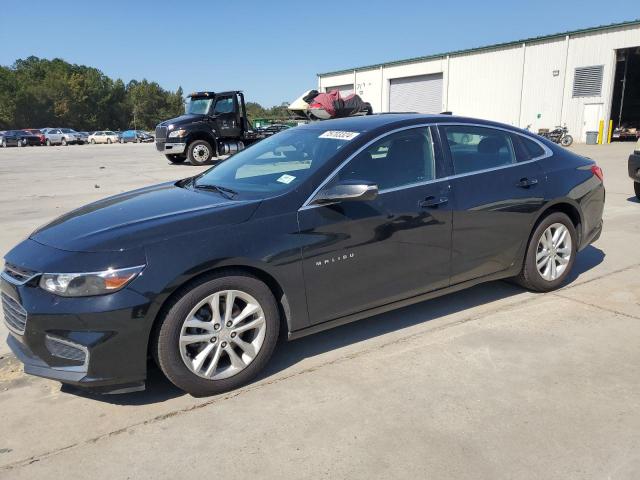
(493, 382)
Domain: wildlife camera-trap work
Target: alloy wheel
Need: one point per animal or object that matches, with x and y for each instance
(553, 252)
(222, 334)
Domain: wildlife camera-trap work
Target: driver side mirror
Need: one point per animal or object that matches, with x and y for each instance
(346, 192)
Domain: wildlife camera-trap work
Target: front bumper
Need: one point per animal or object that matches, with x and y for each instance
(82, 343)
(97, 343)
(169, 148)
(634, 166)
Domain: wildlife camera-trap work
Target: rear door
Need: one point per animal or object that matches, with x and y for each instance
(359, 255)
(497, 195)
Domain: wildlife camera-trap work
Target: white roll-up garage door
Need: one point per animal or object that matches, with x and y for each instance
(343, 89)
(422, 94)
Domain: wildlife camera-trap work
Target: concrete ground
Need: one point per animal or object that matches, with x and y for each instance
(493, 382)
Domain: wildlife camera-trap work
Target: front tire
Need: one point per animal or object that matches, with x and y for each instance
(93, 141)
(636, 188)
(176, 158)
(550, 255)
(217, 334)
(109, 141)
(64, 142)
(200, 152)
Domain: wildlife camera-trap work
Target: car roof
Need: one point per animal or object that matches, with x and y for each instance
(367, 123)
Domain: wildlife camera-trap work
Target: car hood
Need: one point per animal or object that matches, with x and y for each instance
(137, 218)
(183, 120)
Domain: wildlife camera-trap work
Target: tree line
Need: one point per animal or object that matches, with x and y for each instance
(38, 93)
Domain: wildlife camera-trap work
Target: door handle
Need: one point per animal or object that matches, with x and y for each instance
(433, 202)
(527, 182)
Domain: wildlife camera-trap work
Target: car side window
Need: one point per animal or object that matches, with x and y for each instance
(528, 149)
(402, 158)
(223, 105)
(478, 148)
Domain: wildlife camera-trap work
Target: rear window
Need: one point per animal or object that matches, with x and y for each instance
(530, 148)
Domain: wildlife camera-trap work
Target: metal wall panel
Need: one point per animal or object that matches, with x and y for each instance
(343, 89)
(422, 94)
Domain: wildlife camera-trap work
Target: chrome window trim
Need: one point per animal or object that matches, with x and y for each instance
(548, 153)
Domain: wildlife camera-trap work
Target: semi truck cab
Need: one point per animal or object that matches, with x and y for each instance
(214, 124)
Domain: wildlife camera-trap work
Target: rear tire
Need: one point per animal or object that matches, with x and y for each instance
(178, 358)
(176, 158)
(636, 188)
(199, 152)
(549, 255)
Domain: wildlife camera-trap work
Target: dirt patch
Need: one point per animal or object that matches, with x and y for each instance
(11, 372)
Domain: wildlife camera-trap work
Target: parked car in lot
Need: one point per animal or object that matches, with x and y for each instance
(83, 137)
(18, 138)
(103, 136)
(9, 139)
(38, 133)
(312, 228)
(26, 138)
(273, 129)
(61, 136)
(135, 136)
(634, 169)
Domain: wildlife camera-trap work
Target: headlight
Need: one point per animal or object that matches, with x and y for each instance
(178, 133)
(87, 284)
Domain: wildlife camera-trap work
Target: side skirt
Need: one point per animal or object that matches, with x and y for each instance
(512, 272)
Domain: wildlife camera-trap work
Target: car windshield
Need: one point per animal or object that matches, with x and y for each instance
(67, 130)
(199, 106)
(278, 163)
(109, 133)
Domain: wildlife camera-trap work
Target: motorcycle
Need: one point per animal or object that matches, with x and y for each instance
(559, 135)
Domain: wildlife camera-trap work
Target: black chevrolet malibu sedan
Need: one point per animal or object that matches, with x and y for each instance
(314, 227)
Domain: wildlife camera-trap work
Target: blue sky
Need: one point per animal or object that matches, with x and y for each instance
(273, 49)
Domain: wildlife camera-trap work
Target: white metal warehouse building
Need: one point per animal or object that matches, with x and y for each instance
(577, 78)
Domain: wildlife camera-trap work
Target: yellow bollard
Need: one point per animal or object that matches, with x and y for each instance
(600, 130)
(610, 131)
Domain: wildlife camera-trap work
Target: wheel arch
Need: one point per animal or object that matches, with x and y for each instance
(567, 206)
(260, 273)
(203, 135)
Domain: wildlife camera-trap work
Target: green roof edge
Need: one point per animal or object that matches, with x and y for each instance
(486, 47)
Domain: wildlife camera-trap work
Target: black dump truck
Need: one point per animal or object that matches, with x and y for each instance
(215, 124)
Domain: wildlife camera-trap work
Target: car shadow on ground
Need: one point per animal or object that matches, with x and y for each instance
(287, 354)
(633, 199)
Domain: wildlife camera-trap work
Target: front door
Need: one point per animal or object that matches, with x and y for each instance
(497, 195)
(591, 117)
(225, 112)
(363, 254)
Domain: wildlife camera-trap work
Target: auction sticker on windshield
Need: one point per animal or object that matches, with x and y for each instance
(286, 178)
(339, 135)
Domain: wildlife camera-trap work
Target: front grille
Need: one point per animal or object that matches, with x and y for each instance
(14, 315)
(161, 133)
(65, 349)
(18, 274)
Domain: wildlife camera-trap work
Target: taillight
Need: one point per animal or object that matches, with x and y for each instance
(597, 171)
